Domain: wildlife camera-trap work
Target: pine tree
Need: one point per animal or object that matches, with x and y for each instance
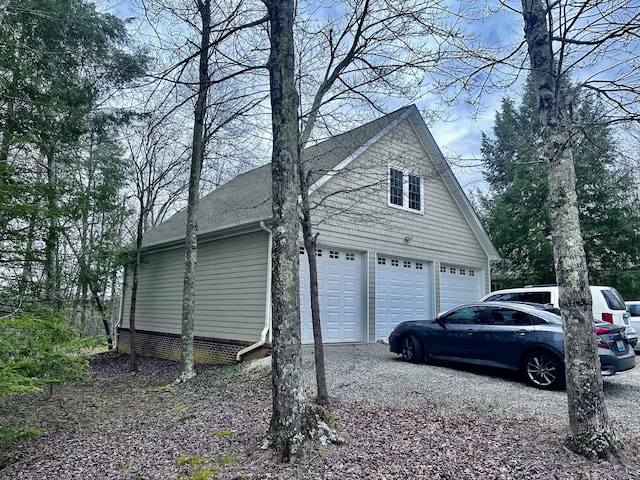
(516, 203)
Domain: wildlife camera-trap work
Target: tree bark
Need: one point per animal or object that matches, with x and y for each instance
(3, 8)
(25, 277)
(310, 243)
(187, 369)
(293, 419)
(133, 343)
(590, 431)
(52, 237)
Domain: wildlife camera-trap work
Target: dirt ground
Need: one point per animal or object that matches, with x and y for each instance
(119, 425)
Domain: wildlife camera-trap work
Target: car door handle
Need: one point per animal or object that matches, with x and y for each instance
(471, 331)
(522, 332)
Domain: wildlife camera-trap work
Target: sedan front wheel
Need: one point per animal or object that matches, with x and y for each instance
(543, 370)
(412, 350)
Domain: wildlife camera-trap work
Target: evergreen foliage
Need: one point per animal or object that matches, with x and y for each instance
(61, 168)
(38, 349)
(516, 205)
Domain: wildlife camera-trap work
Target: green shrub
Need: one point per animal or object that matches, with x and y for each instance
(9, 436)
(39, 350)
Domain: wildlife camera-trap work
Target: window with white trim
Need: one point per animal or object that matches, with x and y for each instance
(405, 190)
(415, 190)
(396, 187)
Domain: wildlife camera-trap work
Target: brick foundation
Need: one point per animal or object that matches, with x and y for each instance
(214, 351)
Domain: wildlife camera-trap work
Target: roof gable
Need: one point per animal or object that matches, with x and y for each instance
(246, 199)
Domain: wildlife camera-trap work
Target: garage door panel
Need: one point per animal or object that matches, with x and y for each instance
(403, 292)
(349, 286)
(349, 303)
(332, 302)
(341, 291)
(459, 285)
(332, 320)
(330, 335)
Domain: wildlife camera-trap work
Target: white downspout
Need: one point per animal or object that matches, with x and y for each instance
(267, 311)
(120, 311)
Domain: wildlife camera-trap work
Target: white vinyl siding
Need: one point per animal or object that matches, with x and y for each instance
(358, 207)
(230, 289)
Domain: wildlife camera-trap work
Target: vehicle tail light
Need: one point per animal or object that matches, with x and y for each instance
(599, 339)
(607, 317)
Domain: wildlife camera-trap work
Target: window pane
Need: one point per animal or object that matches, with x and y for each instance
(535, 297)
(614, 300)
(414, 192)
(508, 317)
(395, 187)
(466, 315)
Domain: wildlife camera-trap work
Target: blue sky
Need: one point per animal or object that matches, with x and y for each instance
(459, 136)
(497, 23)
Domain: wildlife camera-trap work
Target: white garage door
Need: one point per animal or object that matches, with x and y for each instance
(403, 292)
(459, 285)
(341, 292)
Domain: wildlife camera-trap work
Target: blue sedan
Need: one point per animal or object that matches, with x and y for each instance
(506, 335)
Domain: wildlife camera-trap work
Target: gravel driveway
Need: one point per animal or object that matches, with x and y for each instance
(371, 373)
(400, 421)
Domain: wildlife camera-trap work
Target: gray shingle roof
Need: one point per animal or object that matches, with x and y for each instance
(246, 198)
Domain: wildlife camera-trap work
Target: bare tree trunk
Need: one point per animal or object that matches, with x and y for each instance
(51, 240)
(187, 370)
(3, 8)
(25, 278)
(310, 242)
(133, 343)
(590, 431)
(104, 315)
(293, 419)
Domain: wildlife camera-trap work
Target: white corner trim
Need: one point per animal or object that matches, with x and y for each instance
(335, 170)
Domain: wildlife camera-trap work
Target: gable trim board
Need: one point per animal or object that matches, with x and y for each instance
(360, 300)
(344, 163)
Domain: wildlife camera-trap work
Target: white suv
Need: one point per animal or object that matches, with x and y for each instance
(634, 310)
(608, 305)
